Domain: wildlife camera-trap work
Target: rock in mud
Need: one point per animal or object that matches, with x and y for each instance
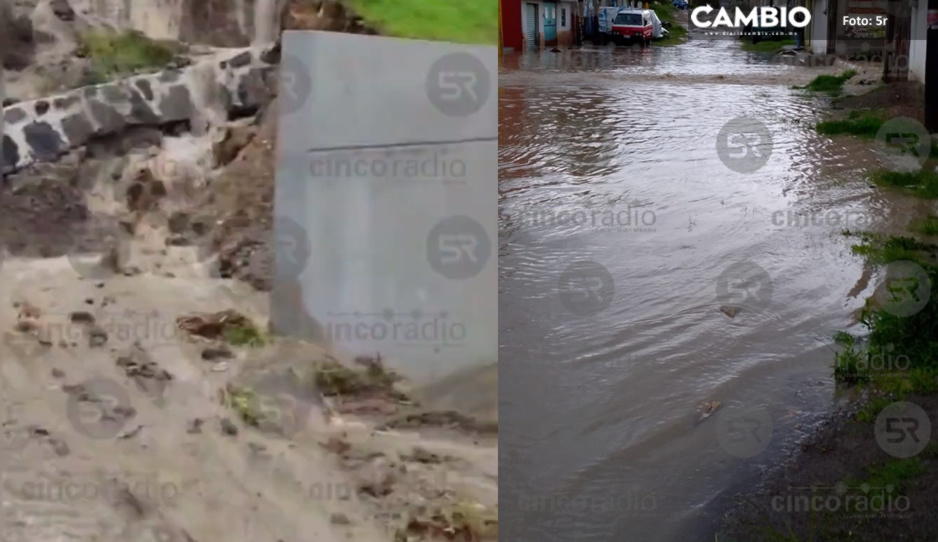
(17, 40)
(234, 140)
(340, 519)
(60, 447)
(730, 311)
(377, 480)
(130, 433)
(144, 193)
(27, 326)
(178, 222)
(146, 373)
(97, 336)
(62, 10)
(422, 455)
(337, 446)
(82, 317)
(213, 354)
(214, 325)
(194, 426)
(228, 427)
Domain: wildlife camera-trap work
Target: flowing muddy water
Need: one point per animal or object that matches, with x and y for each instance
(600, 402)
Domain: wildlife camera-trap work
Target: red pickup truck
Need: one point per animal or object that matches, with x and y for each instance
(633, 26)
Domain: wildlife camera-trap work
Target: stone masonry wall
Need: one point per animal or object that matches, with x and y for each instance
(45, 129)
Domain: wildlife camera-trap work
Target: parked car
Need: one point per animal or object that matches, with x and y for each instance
(680, 4)
(633, 26)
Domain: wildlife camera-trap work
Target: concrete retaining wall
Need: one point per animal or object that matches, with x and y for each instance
(44, 129)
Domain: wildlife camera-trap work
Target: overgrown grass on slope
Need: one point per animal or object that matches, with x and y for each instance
(668, 15)
(471, 21)
(117, 54)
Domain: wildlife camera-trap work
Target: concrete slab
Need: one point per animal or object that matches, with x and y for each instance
(386, 200)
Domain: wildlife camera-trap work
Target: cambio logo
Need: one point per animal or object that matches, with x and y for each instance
(763, 17)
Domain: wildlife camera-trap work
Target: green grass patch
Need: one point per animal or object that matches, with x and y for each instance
(871, 409)
(864, 124)
(119, 54)
(879, 250)
(772, 47)
(245, 336)
(913, 336)
(895, 473)
(473, 21)
(900, 355)
(922, 183)
(244, 402)
(831, 84)
(925, 226)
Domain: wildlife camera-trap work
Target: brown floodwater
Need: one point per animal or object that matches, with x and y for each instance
(622, 236)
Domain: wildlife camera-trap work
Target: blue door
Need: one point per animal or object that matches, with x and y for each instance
(550, 23)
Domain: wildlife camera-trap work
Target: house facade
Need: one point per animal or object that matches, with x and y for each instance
(512, 35)
(543, 23)
(826, 15)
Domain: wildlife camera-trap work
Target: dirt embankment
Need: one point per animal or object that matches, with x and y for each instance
(136, 355)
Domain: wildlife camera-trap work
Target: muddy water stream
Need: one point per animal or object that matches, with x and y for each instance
(606, 366)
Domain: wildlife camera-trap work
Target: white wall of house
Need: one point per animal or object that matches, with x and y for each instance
(565, 25)
(917, 43)
(819, 28)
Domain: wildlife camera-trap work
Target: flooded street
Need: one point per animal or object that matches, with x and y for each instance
(622, 236)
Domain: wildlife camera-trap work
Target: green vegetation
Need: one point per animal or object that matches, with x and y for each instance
(895, 473)
(118, 54)
(858, 123)
(831, 84)
(925, 226)
(772, 47)
(668, 15)
(473, 21)
(922, 183)
(332, 378)
(913, 337)
(245, 402)
(245, 335)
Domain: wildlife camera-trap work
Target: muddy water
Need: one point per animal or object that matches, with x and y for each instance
(604, 371)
